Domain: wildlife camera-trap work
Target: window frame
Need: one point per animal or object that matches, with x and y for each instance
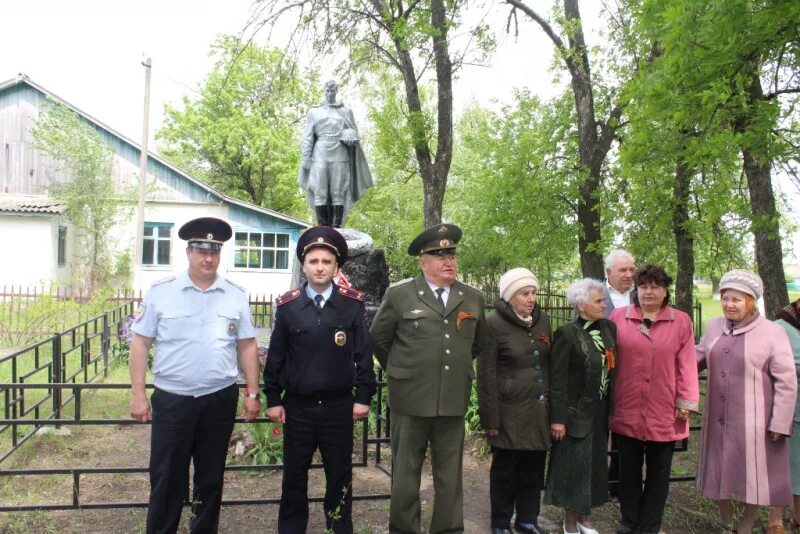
(61, 246)
(261, 248)
(156, 239)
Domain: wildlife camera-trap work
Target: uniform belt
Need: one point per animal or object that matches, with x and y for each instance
(331, 137)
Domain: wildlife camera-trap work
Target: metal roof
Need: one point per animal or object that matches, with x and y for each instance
(30, 204)
(22, 78)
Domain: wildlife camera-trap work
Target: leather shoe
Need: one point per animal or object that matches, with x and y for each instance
(622, 529)
(528, 528)
(501, 531)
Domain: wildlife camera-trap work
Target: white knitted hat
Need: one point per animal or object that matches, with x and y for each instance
(744, 281)
(514, 280)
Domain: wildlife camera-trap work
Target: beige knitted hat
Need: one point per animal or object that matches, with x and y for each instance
(514, 280)
(744, 281)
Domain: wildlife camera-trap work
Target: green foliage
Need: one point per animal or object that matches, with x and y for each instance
(123, 267)
(512, 193)
(241, 134)
(268, 444)
(24, 321)
(693, 104)
(391, 211)
(94, 202)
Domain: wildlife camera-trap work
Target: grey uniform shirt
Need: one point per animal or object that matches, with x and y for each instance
(195, 333)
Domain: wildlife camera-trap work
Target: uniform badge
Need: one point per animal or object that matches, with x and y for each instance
(340, 338)
(140, 312)
(444, 243)
(231, 328)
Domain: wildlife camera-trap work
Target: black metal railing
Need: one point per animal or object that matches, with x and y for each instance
(31, 376)
(46, 385)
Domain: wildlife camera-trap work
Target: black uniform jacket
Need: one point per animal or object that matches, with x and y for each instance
(319, 353)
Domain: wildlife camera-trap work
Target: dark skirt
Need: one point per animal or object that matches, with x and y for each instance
(577, 476)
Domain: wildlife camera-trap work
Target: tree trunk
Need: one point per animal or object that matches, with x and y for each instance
(444, 118)
(684, 241)
(433, 169)
(588, 206)
(766, 226)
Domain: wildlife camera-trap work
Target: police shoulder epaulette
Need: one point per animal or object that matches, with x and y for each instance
(352, 293)
(237, 286)
(163, 280)
(401, 282)
(287, 297)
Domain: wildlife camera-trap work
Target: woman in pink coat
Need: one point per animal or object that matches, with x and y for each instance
(655, 389)
(750, 401)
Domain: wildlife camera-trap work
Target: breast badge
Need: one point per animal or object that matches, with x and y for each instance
(340, 338)
(231, 328)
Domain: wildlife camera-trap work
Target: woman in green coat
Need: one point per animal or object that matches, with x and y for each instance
(581, 368)
(512, 398)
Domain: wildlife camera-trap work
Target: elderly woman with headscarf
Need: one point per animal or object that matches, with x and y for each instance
(655, 388)
(750, 403)
(512, 397)
(789, 319)
(582, 363)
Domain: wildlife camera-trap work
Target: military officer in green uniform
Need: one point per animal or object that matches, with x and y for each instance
(425, 335)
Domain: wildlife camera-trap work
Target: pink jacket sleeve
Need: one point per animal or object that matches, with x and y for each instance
(687, 394)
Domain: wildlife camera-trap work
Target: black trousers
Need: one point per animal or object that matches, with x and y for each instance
(642, 508)
(317, 422)
(188, 428)
(516, 479)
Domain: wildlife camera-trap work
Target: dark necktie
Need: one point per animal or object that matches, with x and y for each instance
(439, 292)
(319, 299)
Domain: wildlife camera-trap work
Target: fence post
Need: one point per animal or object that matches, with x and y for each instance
(57, 376)
(106, 344)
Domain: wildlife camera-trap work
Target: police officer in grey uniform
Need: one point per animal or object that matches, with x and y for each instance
(425, 335)
(198, 323)
(318, 380)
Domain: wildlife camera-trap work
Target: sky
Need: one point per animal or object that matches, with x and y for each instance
(90, 52)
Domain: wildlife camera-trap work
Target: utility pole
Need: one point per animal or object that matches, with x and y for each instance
(147, 63)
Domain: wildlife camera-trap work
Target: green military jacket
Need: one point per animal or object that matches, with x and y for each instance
(427, 354)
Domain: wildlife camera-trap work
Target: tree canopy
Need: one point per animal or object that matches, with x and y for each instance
(241, 133)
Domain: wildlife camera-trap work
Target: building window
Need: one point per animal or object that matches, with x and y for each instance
(155, 246)
(257, 250)
(62, 245)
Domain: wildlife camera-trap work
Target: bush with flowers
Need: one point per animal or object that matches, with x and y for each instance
(122, 347)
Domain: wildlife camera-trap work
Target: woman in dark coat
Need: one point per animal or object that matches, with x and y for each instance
(581, 368)
(512, 397)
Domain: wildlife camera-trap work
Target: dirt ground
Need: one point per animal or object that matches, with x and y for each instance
(127, 445)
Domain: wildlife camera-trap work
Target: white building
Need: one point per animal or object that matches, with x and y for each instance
(39, 243)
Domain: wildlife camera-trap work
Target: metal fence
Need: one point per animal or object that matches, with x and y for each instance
(46, 384)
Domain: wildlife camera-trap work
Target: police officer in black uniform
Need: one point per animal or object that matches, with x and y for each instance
(318, 380)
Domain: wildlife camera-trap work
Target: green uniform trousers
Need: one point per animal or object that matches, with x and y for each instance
(410, 438)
